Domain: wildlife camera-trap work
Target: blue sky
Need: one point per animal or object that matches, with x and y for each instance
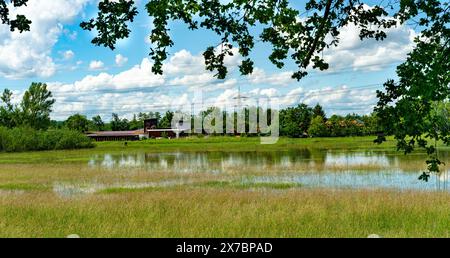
(95, 80)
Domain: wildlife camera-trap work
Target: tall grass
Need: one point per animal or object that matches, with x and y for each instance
(206, 206)
(27, 139)
(228, 213)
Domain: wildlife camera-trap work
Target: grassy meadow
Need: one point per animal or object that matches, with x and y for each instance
(54, 194)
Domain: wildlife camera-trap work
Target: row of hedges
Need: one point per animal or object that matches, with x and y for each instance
(27, 139)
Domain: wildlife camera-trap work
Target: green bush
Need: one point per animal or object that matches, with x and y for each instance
(27, 139)
(318, 127)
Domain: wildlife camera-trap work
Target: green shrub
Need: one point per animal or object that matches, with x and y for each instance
(72, 140)
(27, 139)
(318, 127)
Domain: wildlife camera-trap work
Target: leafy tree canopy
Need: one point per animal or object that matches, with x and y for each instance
(8, 112)
(166, 120)
(295, 121)
(318, 127)
(118, 124)
(300, 35)
(98, 123)
(20, 22)
(36, 106)
(414, 108)
(283, 27)
(33, 111)
(318, 111)
(78, 123)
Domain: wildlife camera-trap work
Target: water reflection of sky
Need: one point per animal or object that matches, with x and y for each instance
(359, 159)
(354, 179)
(387, 170)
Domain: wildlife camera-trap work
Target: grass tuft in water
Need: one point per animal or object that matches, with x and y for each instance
(24, 187)
(249, 185)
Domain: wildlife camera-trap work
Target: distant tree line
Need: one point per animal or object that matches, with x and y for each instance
(295, 122)
(81, 123)
(303, 121)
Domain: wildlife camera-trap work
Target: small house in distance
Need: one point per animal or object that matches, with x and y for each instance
(117, 135)
(150, 131)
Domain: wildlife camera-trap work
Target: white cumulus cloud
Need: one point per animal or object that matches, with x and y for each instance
(370, 55)
(28, 54)
(121, 60)
(67, 55)
(96, 65)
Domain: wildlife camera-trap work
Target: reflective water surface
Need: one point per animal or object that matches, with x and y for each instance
(307, 167)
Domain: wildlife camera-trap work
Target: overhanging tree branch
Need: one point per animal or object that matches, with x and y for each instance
(319, 35)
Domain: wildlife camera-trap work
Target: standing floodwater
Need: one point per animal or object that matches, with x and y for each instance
(306, 167)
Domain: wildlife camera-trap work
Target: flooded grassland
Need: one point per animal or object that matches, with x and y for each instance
(215, 188)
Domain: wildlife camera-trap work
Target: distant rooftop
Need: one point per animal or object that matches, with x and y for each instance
(128, 133)
(116, 133)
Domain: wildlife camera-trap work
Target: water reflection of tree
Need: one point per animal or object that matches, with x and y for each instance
(312, 159)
